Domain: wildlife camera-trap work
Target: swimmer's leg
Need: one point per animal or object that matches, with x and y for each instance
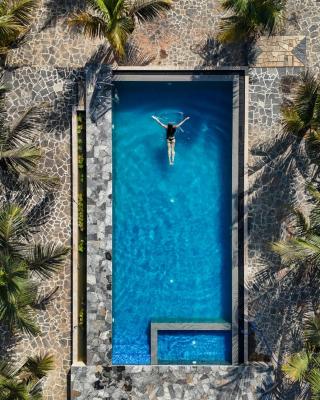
(173, 153)
(169, 151)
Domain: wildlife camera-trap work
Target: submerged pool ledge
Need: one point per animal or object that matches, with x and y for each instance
(157, 327)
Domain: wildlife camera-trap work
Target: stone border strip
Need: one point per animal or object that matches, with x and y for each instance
(183, 326)
(99, 213)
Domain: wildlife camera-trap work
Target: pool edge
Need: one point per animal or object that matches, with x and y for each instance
(99, 125)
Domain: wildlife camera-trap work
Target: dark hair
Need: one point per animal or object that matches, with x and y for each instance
(170, 125)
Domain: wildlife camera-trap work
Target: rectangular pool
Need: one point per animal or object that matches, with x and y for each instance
(172, 225)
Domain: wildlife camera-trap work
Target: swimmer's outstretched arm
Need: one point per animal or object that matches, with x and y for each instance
(182, 122)
(159, 122)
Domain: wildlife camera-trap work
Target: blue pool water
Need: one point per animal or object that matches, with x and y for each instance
(171, 224)
(194, 347)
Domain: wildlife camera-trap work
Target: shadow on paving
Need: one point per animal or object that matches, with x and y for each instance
(276, 304)
(216, 54)
(101, 101)
(57, 9)
(59, 115)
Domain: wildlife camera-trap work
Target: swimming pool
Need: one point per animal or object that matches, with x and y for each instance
(172, 225)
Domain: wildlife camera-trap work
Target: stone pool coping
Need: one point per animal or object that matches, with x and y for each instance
(99, 203)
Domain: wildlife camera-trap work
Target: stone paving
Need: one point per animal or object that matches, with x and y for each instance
(166, 383)
(32, 86)
(47, 67)
(281, 51)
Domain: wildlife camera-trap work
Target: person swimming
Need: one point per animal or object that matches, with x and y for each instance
(171, 138)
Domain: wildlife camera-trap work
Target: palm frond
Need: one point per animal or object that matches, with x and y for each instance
(316, 114)
(25, 127)
(12, 389)
(6, 370)
(36, 391)
(236, 29)
(236, 6)
(306, 97)
(291, 122)
(118, 36)
(314, 193)
(19, 314)
(92, 25)
(299, 249)
(314, 381)
(148, 10)
(36, 368)
(9, 29)
(315, 211)
(250, 19)
(13, 228)
(15, 20)
(312, 330)
(25, 382)
(12, 273)
(22, 11)
(37, 181)
(21, 159)
(313, 146)
(270, 15)
(296, 367)
(45, 260)
(104, 8)
(302, 222)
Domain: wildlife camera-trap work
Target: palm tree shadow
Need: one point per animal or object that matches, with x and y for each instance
(58, 115)
(240, 380)
(100, 75)
(276, 304)
(37, 208)
(8, 343)
(214, 53)
(286, 321)
(58, 9)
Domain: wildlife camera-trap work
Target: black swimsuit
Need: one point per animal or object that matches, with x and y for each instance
(170, 134)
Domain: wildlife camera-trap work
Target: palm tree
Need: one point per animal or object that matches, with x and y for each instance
(300, 253)
(25, 382)
(20, 156)
(250, 19)
(298, 145)
(304, 367)
(115, 20)
(15, 20)
(301, 118)
(20, 260)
